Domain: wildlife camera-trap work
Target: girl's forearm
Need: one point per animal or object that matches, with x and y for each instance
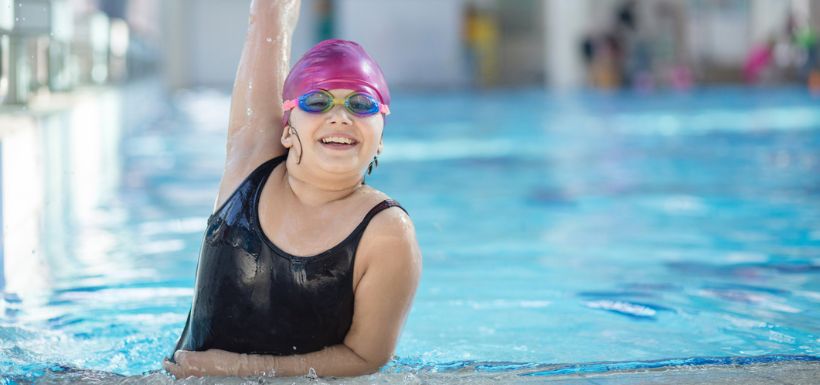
(338, 361)
(264, 64)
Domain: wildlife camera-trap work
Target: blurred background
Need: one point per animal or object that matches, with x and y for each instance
(648, 44)
(655, 164)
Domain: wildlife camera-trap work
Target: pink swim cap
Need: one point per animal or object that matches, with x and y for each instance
(333, 64)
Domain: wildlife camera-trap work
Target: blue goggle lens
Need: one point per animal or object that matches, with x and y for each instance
(361, 104)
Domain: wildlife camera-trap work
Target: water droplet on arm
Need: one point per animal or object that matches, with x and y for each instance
(269, 39)
(249, 111)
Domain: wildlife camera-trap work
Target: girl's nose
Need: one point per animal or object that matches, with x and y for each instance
(339, 115)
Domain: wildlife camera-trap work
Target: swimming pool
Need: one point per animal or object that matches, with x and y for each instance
(558, 232)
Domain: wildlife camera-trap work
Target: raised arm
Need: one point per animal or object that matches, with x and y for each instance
(254, 126)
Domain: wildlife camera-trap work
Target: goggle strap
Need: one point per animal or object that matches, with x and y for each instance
(289, 105)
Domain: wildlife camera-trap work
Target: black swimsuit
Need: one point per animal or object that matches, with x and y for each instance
(252, 297)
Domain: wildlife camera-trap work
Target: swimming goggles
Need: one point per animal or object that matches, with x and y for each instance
(320, 101)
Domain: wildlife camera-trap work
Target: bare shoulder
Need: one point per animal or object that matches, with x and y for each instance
(392, 221)
(390, 237)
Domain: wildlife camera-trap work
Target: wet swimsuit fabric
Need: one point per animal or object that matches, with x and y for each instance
(252, 297)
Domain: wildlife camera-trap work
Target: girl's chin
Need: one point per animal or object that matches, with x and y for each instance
(349, 166)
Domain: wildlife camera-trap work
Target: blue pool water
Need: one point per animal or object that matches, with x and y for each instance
(555, 229)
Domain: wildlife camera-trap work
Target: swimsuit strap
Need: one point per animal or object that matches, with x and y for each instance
(383, 205)
(253, 180)
(267, 166)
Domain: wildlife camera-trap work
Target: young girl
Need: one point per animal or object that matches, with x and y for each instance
(303, 266)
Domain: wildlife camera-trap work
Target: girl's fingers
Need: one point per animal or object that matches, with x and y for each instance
(172, 368)
(210, 362)
(190, 363)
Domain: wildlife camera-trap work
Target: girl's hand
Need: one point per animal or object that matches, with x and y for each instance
(213, 362)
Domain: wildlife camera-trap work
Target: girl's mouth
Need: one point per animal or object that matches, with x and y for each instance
(338, 142)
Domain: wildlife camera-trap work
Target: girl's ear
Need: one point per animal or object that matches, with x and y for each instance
(287, 137)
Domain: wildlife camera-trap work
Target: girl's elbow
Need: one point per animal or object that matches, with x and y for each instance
(372, 361)
(374, 365)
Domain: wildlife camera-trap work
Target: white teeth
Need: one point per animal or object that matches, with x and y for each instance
(337, 139)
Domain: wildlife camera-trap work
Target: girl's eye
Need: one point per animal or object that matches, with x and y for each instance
(316, 101)
(361, 103)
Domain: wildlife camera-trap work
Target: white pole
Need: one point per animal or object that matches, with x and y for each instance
(564, 28)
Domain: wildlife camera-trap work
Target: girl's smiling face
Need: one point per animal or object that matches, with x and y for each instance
(335, 142)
